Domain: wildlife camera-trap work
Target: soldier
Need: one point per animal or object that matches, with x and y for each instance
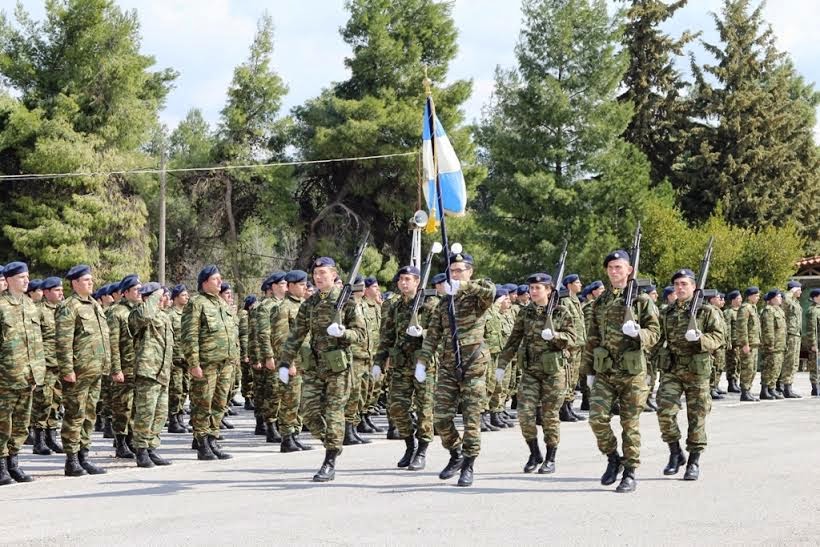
(35, 290)
(83, 357)
(593, 291)
(772, 344)
(22, 367)
(244, 349)
(179, 379)
(465, 385)
(687, 364)
(794, 328)
(523, 292)
(748, 341)
(572, 283)
(496, 331)
(48, 396)
(373, 302)
(265, 382)
(732, 357)
(154, 335)
(113, 296)
(545, 368)
(717, 301)
(615, 362)
(812, 323)
(211, 347)
(360, 367)
(326, 367)
(122, 365)
(226, 294)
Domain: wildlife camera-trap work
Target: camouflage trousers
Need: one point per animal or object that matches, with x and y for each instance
(811, 362)
(247, 381)
(46, 401)
(405, 392)
(150, 411)
(718, 366)
(772, 364)
(208, 398)
(122, 406)
(791, 360)
(652, 373)
(471, 393)
(79, 404)
(104, 400)
(748, 367)
(360, 372)
(289, 402)
(178, 387)
(675, 383)
(324, 395)
(501, 391)
(15, 409)
(266, 394)
(547, 391)
(732, 364)
(573, 372)
(234, 390)
(630, 391)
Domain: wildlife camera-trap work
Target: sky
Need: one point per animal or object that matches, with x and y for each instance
(205, 39)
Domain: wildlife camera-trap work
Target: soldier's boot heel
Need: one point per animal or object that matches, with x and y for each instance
(613, 468)
(456, 459)
(5, 478)
(350, 439)
(628, 482)
(362, 440)
(483, 425)
(410, 444)
(53, 442)
(122, 449)
(789, 393)
(777, 392)
(217, 450)
(495, 421)
(72, 467)
(419, 458)
(204, 452)
(225, 424)
(535, 459)
(488, 422)
(156, 458)
(374, 427)
(301, 446)
(174, 425)
(764, 394)
(143, 460)
(747, 397)
(692, 467)
(364, 427)
(565, 415)
(108, 429)
(90, 468)
(549, 461)
(327, 472)
(677, 459)
(288, 445)
(272, 434)
(40, 447)
(15, 472)
(466, 477)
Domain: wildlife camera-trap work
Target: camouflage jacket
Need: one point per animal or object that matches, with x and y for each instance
(496, 329)
(175, 314)
(82, 338)
(747, 326)
(394, 342)
(675, 322)
(772, 329)
(262, 319)
(812, 324)
(154, 340)
(48, 331)
(244, 334)
(209, 333)
(22, 362)
(283, 320)
(794, 315)
(573, 306)
(526, 334)
(729, 320)
(366, 348)
(123, 356)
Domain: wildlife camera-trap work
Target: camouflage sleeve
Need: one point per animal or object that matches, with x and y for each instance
(727, 328)
(742, 327)
(387, 336)
(297, 335)
(811, 328)
(712, 329)
(64, 339)
(47, 334)
(513, 342)
(593, 339)
(565, 334)
(263, 332)
(766, 329)
(190, 332)
(143, 314)
(483, 289)
(243, 336)
(253, 335)
(279, 325)
(435, 330)
(355, 326)
(650, 331)
(114, 338)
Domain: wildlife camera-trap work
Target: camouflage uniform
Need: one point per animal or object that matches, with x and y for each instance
(619, 364)
(747, 334)
(266, 382)
(282, 321)
(326, 371)
(122, 360)
(576, 350)
(22, 367)
(370, 385)
(83, 347)
(154, 336)
(245, 336)
(719, 354)
(772, 343)
(496, 331)
(179, 377)
(47, 398)
(687, 367)
(794, 327)
(362, 352)
(732, 349)
(209, 341)
(812, 323)
(472, 301)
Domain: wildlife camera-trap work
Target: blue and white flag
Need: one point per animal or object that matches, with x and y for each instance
(453, 188)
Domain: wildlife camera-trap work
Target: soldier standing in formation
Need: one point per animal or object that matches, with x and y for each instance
(179, 382)
(794, 329)
(772, 344)
(747, 336)
(48, 397)
(812, 324)
(732, 349)
(572, 283)
(122, 365)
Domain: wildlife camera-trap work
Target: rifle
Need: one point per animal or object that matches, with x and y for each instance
(632, 283)
(556, 281)
(697, 296)
(414, 328)
(347, 290)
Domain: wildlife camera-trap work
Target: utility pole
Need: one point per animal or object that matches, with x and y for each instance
(162, 187)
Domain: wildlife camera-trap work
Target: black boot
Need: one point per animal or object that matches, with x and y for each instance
(174, 426)
(350, 439)
(5, 478)
(288, 445)
(143, 460)
(15, 472)
(363, 427)
(122, 449)
(483, 425)
(392, 432)
(814, 390)
(585, 401)
(613, 467)
(249, 404)
(497, 422)
(514, 403)
(90, 468)
(108, 429)
(538, 418)
(410, 443)
(361, 439)
(98, 423)
(733, 387)
(181, 420)
(466, 477)
(789, 393)
(549, 461)
(565, 415)
(627, 481)
(204, 451)
(40, 447)
(224, 423)
(456, 459)
(30, 437)
(777, 392)
(578, 417)
(713, 393)
(72, 467)
(535, 458)
(217, 450)
(272, 433)
(374, 427)
(328, 470)
(260, 426)
(53, 442)
(692, 467)
(676, 459)
(765, 395)
(616, 409)
(194, 444)
(156, 458)
(488, 423)
(747, 397)
(301, 446)
(419, 458)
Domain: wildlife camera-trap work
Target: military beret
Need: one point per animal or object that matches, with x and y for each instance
(324, 262)
(296, 276)
(15, 268)
(51, 283)
(667, 291)
(150, 288)
(250, 300)
(545, 279)
(178, 290)
(571, 278)
(102, 291)
(112, 288)
(439, 278)
(597, 284)
(771, 294)
(369, 281)
(710, 293)
(408, 270)
(224, 287)
(34, 285)
(511, 287)
(650, 288)
(792, 284)
(616, 255)
(277, 277)
(501, 292)
(522, 289)
(265, 286)
(359, 280)
(814, 293)
(205, 274)
(461, 257)
(684, 272)
(751, 290)
(129, 281)
(731, 295)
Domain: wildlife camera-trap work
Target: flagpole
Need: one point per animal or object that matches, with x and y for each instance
(451, 304)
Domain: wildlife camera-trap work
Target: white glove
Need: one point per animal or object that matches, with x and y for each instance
(376, 372)
(336, 330)
(421, 373)
(499, 374)
(415, 331)
(284, 375)
(693, 335)
(590, 380)
(631, 329)
(547, 334)
(452, 286)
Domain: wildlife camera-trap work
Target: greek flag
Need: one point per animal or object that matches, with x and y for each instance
(453, 189)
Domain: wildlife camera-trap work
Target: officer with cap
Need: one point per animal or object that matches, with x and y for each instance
(748, 341)
(573, 286)
(47, 397)
(794, 329)
(265, 377)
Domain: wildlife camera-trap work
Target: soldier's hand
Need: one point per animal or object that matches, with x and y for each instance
(196, 372)
(421, 372)
(336, 330)
(284, 374)
(118, 377)
(292, 370)
(499, 374)
(376, 372)
(631, 329)
(71, 377)
(693, 335)
(746, 349)
(257, 366)
(452, 286)
(247, 359)
(415, 331)
(270, 364)
(547, 334)
(590, 380)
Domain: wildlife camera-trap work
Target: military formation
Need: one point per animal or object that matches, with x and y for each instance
(314, 353)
